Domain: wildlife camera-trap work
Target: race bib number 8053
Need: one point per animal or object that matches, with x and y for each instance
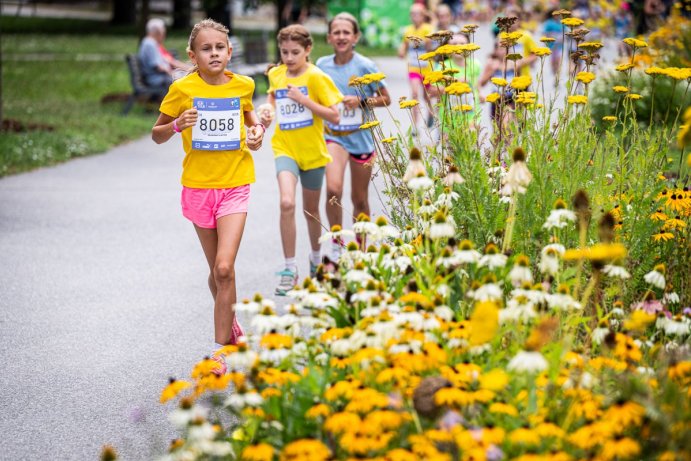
(292, 115)
(218, 124)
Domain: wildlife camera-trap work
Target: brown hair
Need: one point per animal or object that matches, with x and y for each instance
(205, 24)
(295, 33)
(345, 16)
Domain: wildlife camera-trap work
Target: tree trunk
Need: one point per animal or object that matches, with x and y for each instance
(143, 17)
(182, 14)
(124, 12)
(281, 22)
(220, 11)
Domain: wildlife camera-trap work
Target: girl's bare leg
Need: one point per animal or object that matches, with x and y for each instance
(286, 186)
(310, 206)
(220, 247)
(335, 171)
(360, 175)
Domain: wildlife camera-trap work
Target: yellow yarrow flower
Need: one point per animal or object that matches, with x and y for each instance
(427, 56)
(577, 99)
(609, 118)
(572, 22)
(542, 51)
(407, 104)
(591, 46)
(633, 96)
(499, 81)
(368, 125)
(653, 70)
(678, 73)
(623, 67)
(372, 78)
(620, 89)
(585, 77)
(458, 88)
(521, 83)
(635, 43)
(389, 140)
(492, 97)
(463, 108)
(434, 77)
(547, 39)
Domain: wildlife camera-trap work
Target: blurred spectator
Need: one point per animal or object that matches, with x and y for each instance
(553, 28)
(158, 64)
(622, 28)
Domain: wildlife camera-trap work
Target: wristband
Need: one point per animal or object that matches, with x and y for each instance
(175, 126)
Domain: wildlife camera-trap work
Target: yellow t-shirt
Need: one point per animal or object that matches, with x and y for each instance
(525, 46)
(213, 169)
(299, 133)
(415, 51)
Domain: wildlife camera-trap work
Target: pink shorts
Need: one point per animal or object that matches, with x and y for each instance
(204, 206)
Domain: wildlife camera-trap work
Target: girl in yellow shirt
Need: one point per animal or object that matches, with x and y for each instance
(211, 107)
(301, 96)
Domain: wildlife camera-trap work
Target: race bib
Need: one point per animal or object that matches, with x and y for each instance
(290, 114)
(218, 124)
(351, 119)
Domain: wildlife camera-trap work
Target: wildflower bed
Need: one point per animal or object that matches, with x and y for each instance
(525, 300)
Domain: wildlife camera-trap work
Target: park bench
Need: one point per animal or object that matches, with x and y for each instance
(140, 90)
(250, 55)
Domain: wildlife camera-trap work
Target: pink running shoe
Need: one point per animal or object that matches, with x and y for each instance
(237, 331)
(222, 367)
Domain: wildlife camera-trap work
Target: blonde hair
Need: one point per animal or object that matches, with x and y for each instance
(345, 16)
(205, 24)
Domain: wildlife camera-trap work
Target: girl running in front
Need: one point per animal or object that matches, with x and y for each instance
(348, 144)
(211, 107)
(304, 96)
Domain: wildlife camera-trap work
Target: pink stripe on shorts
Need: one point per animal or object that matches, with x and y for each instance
(204, 206)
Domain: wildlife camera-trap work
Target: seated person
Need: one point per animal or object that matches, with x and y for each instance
(157, 71)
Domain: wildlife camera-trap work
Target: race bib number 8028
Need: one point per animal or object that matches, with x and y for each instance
(292, 115)
(218, 124)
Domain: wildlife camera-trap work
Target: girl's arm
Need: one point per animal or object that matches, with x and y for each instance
(164, 128)
(330, 114)
(382, 99)
(266, 110)
(403, 49)
(255, 130)
(486, 74)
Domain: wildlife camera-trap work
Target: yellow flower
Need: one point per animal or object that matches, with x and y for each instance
(623, 67)
(492, 97)
(389, 140)
(577, 99)
(458, 88)
(653, 70)
(375, 77)
(341, 422)
(624, 414)
(547, 39)
(662, 235)
(639, 321)
(407, 104)
(463, 108)
(609, 118)
(542, 51)
(599, 252)
(426, 56)
(368, 125)
(678, 73)
(521, 83)
(620, 89)
(503, 408)
(484, 323)
(434, 77)
(633, 96)
(591, 46)
(306, 449)
(320, 410)
(259, 452)
(276, 341)
(494, 380)
(620, 448)
(499, 81)
(524, 436)
(626, 349)
(585, 77)
(173, 389)
(572, 22)
(635, 43)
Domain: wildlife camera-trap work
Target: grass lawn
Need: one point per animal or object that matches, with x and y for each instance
(57, 77)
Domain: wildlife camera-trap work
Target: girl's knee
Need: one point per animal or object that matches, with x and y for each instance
(224, 273)
(334, 190)
(287, 205)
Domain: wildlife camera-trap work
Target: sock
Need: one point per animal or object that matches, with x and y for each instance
(291, 265)
(315, 257)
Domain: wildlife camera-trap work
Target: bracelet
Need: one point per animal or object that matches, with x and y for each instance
(175, 126)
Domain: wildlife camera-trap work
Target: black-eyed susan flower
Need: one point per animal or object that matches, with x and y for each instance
(662, 235)
(620, 448)
(172, 390)
(306, 449)
(259, 452)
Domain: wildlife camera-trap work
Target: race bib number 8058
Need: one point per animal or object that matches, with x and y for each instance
(218, 124)
(292, 115)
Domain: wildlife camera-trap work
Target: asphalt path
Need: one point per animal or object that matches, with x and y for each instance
(103, 292)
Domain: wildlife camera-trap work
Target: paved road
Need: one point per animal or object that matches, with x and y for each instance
(103, 293)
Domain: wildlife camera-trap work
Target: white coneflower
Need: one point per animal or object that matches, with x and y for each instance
(562, 300)
(676, 326)
(444, 312)
(549, 263)
(599, 333)
(518, 177)
(441, 227)
(274, 356)
(447, 198)
(487, 292)
(465, 254)
(241, 360)
(415, 166)
(365, 226)
(518, 309)
(337, 233)
(560, 216)
(385, 230)
(492, 259)
(427, 208)
(263, 324)
(420, 183)
(527, 362)
(670, 298)
(181, 417)
(358, 276)
(453, 177)
(520, 272)
(614, 270)
(204, 432)
(656, 277)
